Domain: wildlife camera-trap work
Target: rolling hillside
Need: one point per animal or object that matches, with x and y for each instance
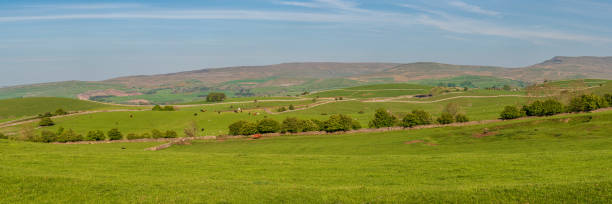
(295, 78)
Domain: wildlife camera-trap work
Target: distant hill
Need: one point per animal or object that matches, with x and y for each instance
(294, 78)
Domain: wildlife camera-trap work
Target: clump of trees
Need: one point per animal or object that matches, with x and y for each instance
(334, 123)
(383, 118)
(549, 107)
(417, 117)
(215, 97)
(56, 113)
(165, 108)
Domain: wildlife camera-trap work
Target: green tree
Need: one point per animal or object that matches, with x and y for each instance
(3, 136)
(291, 107)
(339, 122)
(587, 103)
(461, 118)
(410, 120)
(47, 136)
(511, 112)
(114, 134)
(382, 118)
(157, 108)
(215, 97)
(60, 112)
(445, 118)
(95, 135)
(452, 108)
(248, 129)
(552, 107)
(534, 109)
(44, 122)
(69, 136)
(423, 118)
(236, 127)
(268, 126)
(156, 134)
(309, 125)
(171, 134)
(292, 125)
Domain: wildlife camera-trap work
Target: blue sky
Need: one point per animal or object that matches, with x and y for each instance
(42, 41)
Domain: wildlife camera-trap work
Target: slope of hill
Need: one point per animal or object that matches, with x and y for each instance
(20, 107)
(295, 78)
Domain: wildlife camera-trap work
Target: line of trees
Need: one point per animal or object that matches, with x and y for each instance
(165, 108)
(450, 114)
(68, 135)
(334, 123)
(215, 97)
(549, 107)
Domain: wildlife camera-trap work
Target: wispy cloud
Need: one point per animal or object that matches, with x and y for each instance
(473, 8)
(88, 6)
(339, 11)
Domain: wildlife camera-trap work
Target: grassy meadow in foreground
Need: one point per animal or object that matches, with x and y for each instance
(537, 160)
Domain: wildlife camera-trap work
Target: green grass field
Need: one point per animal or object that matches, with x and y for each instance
(11, 109)
(537, 160)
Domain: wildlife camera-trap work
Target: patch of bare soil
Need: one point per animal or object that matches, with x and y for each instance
(484, 134)
(107, 92)
(414, 142)
(139, 101)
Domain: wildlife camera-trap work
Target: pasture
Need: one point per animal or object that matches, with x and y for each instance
(560, 159)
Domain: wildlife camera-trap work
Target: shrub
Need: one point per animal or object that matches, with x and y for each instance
(608, 98)
(291, 107)
(338, 122)
(114, 134)
(95, 135)
(2, 136)
(69, 136)
(309, 125)
(586, 103)
(157, 108)
(511, 112)
(46, 122)
(552, 107)
(445, 118)
(134, 136)
(236, 127)
(192, 130)
(410, 120)
(60, 112)
(145, 135)
(281, 109)
(292, 125)
(156, 134)
(248, 129)
(215, 97)
(268, 126)
(165, 108)
(461, 118)
(168, 108)
(423, 118)
(355, 125)
(320, 124)
(47, 136)
(382, 118)
(171, 134)
(534, 109)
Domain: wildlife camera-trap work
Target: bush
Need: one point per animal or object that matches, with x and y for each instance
(511, 112)
(44, 122)
(192, 130)
(60, 112)
(2, 136)
(382, 118)
(320, 124)
(145, 135)
(291, 107)
(248, 129)
(608, 98)
(534, 109)
(445, 118)
(47, 136)
(423, 118)
(168, 108)
(134, 136)
(69, 136)
(236, 127)
(587, 103)
(461, 118)
(410, 120)
(355, 125)
(281, 109)
(95, 135)
(215, 97)
(309, 125)
(292, 125)
(552, 107)
(156, 134)
(157, 108)
(171, 134)
(452, 108)
(339, 122)
(165, 108)
(114, 134)
(268, 126)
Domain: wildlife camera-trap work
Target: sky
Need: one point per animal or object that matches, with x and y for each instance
(44, 41)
